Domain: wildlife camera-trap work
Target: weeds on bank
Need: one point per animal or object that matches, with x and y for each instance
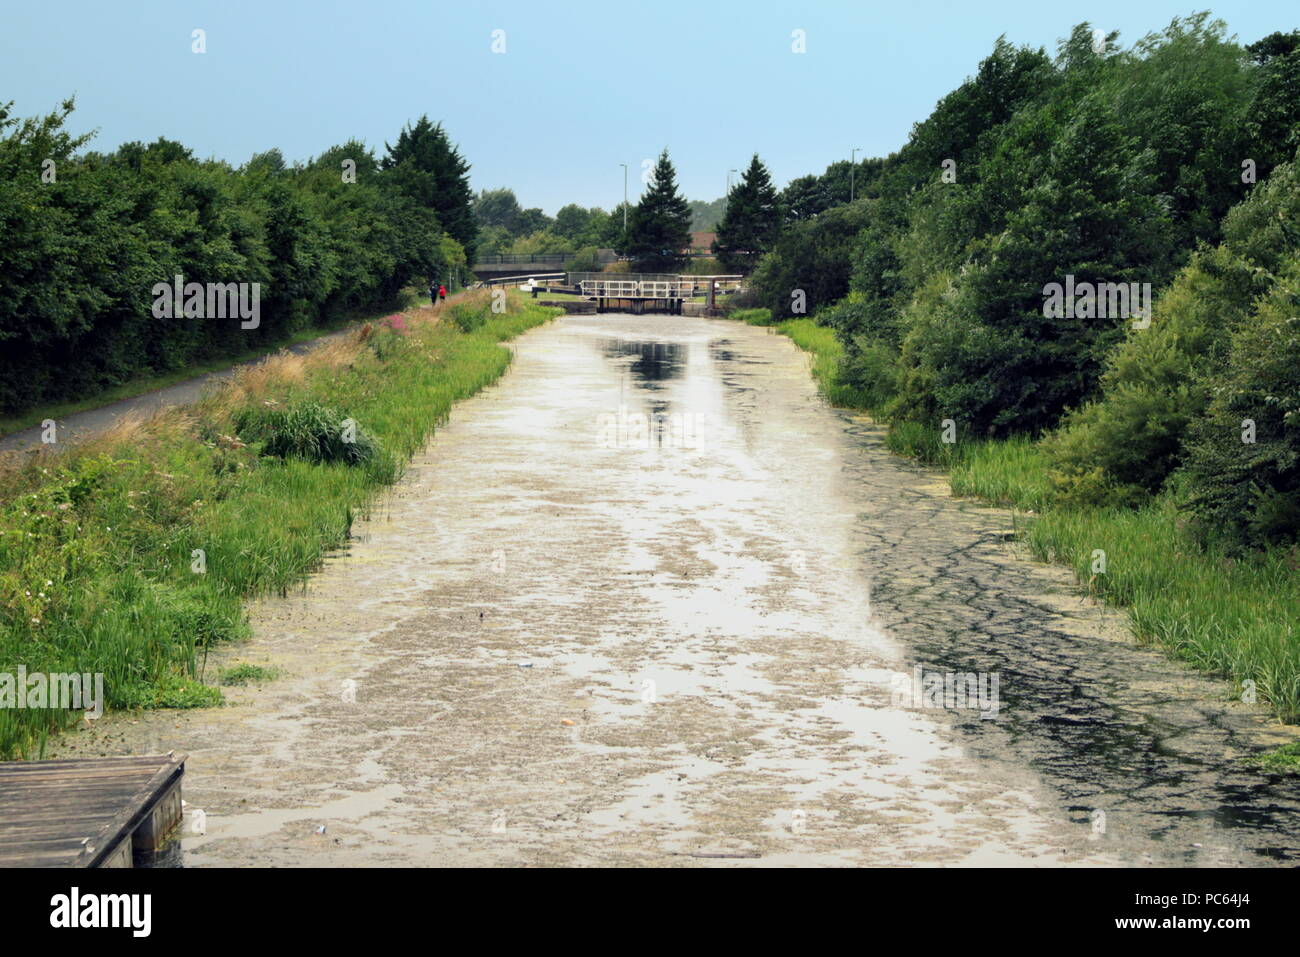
(131, 554)
(1235, 617)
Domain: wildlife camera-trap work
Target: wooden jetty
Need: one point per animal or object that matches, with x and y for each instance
(102, 812)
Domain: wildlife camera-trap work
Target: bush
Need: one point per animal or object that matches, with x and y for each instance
(1117, 450)
(469, 316)
(1120, 448)
(586, 259)
(309, 431)
(1244, 455)
(870, 363)
(813, 256)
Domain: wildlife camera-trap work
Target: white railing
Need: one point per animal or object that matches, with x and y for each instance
(683, 287)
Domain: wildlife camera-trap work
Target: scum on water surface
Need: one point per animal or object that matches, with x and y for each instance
(551, 648)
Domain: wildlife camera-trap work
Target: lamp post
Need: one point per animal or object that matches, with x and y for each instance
(624, 165)
(853, 168)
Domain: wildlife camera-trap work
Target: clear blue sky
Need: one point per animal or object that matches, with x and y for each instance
(581, 88)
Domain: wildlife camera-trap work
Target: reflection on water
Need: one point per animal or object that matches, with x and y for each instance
(652, 361)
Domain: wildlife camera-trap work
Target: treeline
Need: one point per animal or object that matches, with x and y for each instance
(1098, 173)
(576, 231)
(656, 238)
(89, 236)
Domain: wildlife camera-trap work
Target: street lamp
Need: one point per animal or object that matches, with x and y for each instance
(624, 165)
(853, 168)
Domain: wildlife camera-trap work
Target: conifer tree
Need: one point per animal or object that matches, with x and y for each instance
(752, 220)
(429, 169)
(659, 228)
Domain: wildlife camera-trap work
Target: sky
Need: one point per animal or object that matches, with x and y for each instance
(564, 93)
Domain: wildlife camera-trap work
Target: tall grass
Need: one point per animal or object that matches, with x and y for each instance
(131, 554)
(1233, 617)
(827, 353)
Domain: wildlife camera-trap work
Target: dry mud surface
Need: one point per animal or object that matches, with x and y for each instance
(572, 638)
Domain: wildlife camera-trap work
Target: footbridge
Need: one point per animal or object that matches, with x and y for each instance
(649, 292)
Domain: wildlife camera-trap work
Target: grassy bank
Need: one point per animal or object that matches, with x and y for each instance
(18, 421)
(1234, 617)
(817, 341)
(132, 553)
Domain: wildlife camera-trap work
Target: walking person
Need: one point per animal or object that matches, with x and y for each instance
(433, 293)
(442, 293)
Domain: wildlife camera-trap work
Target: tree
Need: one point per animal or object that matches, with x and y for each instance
(571, 221)
(804, 197)
(598, 231)
(612, 234)
(752, 221)
(706, 216)
(992, 356)
(809, 266)
(533, 221)
(1244, 454)
(1273, 122)
(431, 171)
(659, 228)
(497, 209)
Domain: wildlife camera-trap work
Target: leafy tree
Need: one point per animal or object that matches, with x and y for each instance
(659, 226)
(572, 221)
(706, 216)
(994, 361)
(86, 245)
(599, 230)
(1244, 454)
(1158, 382)
(810, 265)
(1273, 117)
(533, 221)
(498, 209)
(804, 197)
(752, 220)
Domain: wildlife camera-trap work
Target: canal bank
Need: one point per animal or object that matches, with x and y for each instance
(550, 647)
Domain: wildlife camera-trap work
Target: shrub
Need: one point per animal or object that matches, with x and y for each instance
(1120, 448)
(1245, 487)
(468, 315)
(813, 256)
(586, 259)
(308, 431)
(1155, 384)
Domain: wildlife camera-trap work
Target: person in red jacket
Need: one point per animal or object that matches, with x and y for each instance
(442, 293)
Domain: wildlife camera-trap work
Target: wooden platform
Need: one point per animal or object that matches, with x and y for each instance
(102, 812)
